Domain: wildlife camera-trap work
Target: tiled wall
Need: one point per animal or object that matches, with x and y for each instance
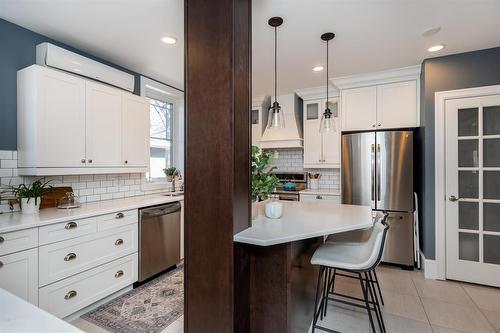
(293, 160)
(88, 187)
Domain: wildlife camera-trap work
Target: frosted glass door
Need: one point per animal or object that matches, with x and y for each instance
(473, 190)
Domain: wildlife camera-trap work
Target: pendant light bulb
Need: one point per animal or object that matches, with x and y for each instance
(327, 123)
(275, 117)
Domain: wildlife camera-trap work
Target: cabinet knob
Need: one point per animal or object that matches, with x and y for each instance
(126, 161)
(90, 161)
(70, 225)
(119, 274)
(379, 124)
(119, 216)
(119, 241)
(2, 239)
(70, 294)
(1, 264)
(83, 160)
(70, 256)
(319, 197)
(373, 125)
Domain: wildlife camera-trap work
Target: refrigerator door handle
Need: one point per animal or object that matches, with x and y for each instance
(372, 158)
(379, 165)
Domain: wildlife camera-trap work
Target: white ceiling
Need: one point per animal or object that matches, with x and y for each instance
(372, 35)
(125, 32)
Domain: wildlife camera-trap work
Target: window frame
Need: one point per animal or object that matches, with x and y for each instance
(152, 89)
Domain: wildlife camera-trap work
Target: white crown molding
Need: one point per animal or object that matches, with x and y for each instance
(316, 93)
(370, 79)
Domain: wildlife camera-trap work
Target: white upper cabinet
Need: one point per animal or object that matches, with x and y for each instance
(103, 125)
(70, 125)
(260, 107)
(321, 150)
(397, 105)
(381, 100)
(51, 111)
(135, 125)
(359, 108)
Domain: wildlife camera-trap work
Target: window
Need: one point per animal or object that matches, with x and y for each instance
(161, 137)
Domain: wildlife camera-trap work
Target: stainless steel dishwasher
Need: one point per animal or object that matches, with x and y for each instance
(159, 239)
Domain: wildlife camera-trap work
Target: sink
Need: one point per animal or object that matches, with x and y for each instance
(175, 194)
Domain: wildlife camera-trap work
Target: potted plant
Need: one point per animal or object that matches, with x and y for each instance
(30, 196)
(170, 172)
(263, 181)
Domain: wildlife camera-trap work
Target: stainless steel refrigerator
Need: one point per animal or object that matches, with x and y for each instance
(377, 170)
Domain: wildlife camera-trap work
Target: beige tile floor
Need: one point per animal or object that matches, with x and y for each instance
(412, 304)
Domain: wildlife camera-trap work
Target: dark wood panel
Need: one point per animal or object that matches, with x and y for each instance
(217, 91)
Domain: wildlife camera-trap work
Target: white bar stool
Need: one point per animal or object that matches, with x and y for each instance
(358, 258)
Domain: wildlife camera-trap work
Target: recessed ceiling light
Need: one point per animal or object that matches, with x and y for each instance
(436, 48)
(169, 40)
(317, 68)
(431, 31)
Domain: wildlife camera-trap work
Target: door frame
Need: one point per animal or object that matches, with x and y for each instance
(440, 99)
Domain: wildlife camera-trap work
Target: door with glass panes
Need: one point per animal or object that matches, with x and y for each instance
(473, 189)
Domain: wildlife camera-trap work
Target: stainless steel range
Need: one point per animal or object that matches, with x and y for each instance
(291, 193)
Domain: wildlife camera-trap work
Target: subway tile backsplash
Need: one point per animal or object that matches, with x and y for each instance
(292, 160)
(88, 187)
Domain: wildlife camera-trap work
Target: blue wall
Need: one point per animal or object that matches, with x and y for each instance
(458, 71)
(19, 51)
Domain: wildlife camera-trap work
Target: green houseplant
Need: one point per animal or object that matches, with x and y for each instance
(30, 196)
(170, 172)
(263, 181)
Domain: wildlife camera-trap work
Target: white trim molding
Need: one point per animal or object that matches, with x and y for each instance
(371, 79)
(440, 99)
(429, 267)
(313, 93)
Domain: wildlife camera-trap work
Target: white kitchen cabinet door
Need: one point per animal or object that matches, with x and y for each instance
(51, 118)
(103, 125)
(256, 125)
(135, 132)
(312, 137)
(331, 140)
(359, 108)
(19, 274)
(397, 105)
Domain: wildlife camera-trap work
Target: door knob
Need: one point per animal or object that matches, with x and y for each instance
(453, 198)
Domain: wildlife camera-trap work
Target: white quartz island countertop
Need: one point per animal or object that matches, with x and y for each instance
(17, 221)
(19, 316)
(303, 220)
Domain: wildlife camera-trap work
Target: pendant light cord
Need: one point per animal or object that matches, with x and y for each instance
(275, 63)
(327, 73)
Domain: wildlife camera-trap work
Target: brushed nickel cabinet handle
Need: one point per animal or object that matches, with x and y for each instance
(83, 160)
(453, 198)
(70, 256)
(90, 161)
(119, 216)
(319, 197)
(2, 239)
(373, 125)
(70, 225)
(119, 241)
(126, 161)
(70, 294)
(379, 124)
(119, 274)
(1, 264)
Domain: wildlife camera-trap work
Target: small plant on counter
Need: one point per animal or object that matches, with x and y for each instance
(263, 181)
(171, 172)
(29, 196)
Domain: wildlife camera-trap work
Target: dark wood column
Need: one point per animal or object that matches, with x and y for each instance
(217, 200)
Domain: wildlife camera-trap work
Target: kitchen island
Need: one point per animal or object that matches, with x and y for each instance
(274, 278)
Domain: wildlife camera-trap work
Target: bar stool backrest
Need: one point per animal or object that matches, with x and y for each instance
(376, 243)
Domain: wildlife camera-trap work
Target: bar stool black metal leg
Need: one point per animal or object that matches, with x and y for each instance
(373, 295)
(318, 298)
(378, 286)
(325, 284)
(325, 291)
(367, 304)
(377, 304)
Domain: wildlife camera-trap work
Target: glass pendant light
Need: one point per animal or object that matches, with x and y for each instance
(327, 123)
(275, 118)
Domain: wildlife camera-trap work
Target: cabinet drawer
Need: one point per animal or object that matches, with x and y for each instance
(19, 274)
(74, 293)
(67, 230)
(18, 240)
(60, 260)
(314, 197)
(114, 220)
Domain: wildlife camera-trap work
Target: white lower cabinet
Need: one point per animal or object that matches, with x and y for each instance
(309, 197)
(74, 293)
(19, 274)
(18, 240)
(65, 258)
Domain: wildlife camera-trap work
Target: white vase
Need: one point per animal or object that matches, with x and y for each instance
(30, 205)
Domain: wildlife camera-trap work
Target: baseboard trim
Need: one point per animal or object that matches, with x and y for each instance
(430, 267)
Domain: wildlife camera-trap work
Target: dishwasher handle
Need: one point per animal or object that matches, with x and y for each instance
(160, 210)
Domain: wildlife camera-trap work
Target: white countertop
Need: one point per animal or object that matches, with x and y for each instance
(303, 220)
(320, 192)
(19, 316)
(17, 221)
